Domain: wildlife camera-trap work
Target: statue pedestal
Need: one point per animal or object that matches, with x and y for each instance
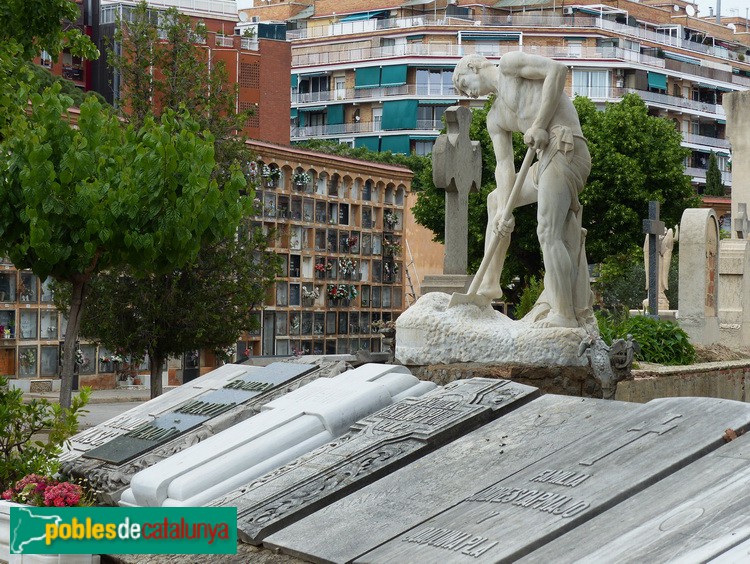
(431, 333)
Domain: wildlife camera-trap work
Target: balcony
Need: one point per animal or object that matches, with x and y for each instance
(368, 94)
(699, 175)
(332, 130)
(343, 55)
(519, 22)
(713, 142)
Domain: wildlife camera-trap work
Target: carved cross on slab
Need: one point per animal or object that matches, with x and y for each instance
(654, 228)
(457, 169)
(741, 222)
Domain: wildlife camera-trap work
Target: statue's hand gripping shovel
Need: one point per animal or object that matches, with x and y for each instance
(472, 297)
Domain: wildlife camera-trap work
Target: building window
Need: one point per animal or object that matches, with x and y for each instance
(423, 148)
(377, 118)
(340, 87)
(435, 82)
(591, 83)
(430, 117)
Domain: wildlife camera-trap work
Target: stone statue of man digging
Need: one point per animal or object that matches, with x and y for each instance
(530, 98)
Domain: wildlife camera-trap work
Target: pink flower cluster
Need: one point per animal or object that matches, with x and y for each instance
(40, 490)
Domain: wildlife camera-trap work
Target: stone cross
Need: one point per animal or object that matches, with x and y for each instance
(654, 228)
(457, 169)
(741, 222)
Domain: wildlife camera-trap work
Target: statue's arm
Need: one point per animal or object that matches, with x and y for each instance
(553, 74)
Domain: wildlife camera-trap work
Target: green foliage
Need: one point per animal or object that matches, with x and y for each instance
(529, 296)
(78, 200)
(33, 433)
(43, 78)
(635, 158)
(714, 184)
(622, 281)
(661, 342)
(204, 304)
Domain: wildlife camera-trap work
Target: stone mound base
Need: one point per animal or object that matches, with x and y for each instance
(430, 332)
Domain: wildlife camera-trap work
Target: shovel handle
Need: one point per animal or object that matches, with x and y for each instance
(507, 213)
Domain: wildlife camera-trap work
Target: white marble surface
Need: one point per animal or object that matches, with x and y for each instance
(286, 428)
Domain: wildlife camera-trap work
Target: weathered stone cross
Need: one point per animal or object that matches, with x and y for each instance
(457, 169)
(741, 222)
(654, 228)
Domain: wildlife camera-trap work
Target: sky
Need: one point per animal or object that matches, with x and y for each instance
(726, 7)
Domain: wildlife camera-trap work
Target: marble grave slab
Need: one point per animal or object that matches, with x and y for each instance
(521, 512)
(376, 445)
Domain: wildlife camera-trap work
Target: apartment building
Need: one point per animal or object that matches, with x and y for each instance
(378, 73)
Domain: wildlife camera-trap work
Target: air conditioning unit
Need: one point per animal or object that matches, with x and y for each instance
(567, 11)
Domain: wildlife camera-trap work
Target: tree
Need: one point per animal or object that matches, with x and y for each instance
(75, 201)
(201, 305)
(635, 158)
(714, 184)
(208, 301)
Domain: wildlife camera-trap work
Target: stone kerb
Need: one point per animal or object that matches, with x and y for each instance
(699, 275)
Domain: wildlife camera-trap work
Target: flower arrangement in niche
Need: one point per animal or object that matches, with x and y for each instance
(347, 266)
(391, 247)
(28, 358)
(353, 292)
(42, 491)
(271, 172)
(352, 241)
(320, 267)
(390, 219)
(252, 169)
(310, 294)
(380, 324)
(337, 291)
(301, 178)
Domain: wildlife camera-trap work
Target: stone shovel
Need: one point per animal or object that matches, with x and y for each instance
(472, 297)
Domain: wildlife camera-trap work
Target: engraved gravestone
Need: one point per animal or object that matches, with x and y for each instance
(376, 513)
(110, 454)
(285, 429)
(519, 513)
(697, 514)
(375, 446)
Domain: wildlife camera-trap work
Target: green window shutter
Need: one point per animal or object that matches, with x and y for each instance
(400, 114)
(657, 80)
(335, 114)
(302, 119)
(294, 81)
(372, 143)
(367, 77)
(293, 113)
(394, 75)
(395, 144)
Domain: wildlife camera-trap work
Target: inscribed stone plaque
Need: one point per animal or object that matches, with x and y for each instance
(238, 390)
(380, 511)
(375, 446)
(694, 515)
(520, 513)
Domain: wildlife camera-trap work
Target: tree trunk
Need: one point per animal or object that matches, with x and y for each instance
(156, 361)
(71, 336)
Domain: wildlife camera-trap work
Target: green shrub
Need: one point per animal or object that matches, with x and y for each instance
(661, 342)
(33, 433)
(529, 296)
(622, 281)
